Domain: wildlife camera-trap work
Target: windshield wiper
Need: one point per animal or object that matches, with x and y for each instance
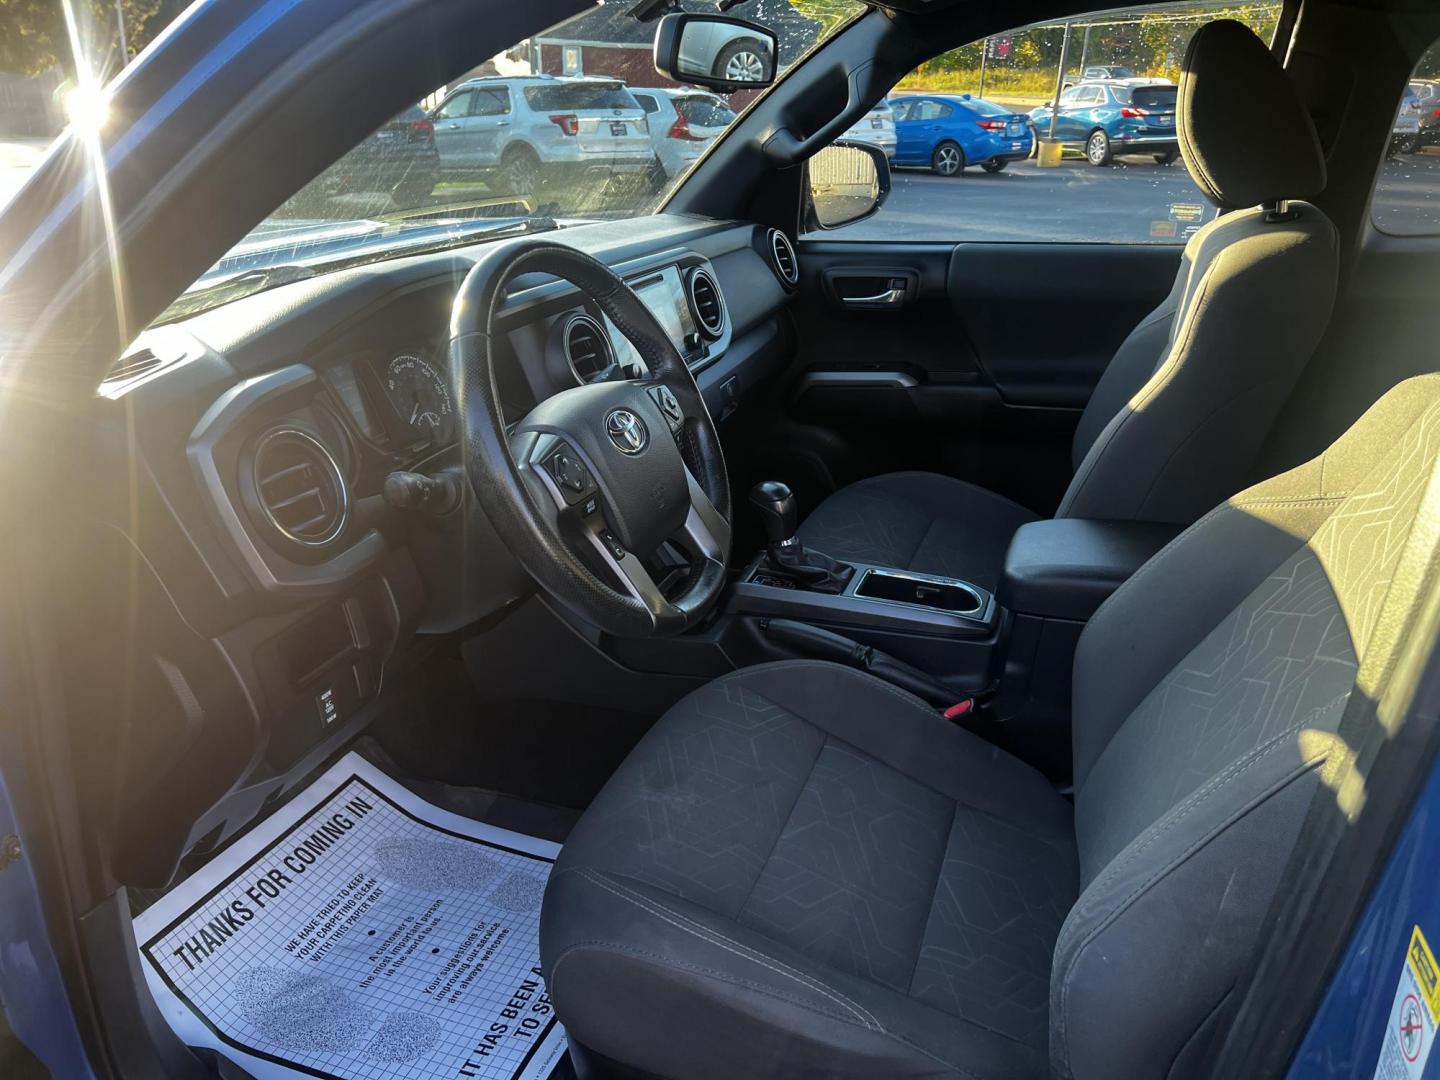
(247, 283)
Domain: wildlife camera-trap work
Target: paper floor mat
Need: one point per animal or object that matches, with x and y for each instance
(361, 932)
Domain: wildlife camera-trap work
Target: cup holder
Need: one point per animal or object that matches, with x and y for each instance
(898, 588)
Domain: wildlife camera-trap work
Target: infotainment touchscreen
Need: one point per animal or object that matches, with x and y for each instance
(664, 294)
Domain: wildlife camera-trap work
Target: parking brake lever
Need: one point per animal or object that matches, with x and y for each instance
(821, 644)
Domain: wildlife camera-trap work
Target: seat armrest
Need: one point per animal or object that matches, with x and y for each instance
(1064, 568)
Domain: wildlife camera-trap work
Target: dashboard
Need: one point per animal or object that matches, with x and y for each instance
(275, 559)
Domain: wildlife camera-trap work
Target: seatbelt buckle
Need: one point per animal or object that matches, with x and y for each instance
(959, 709)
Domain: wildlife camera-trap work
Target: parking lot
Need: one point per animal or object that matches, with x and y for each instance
(1133, 201)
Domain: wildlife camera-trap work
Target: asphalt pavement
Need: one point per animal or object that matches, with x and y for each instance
(1132, 201)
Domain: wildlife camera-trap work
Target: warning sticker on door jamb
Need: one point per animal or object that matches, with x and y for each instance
(1410, 1033)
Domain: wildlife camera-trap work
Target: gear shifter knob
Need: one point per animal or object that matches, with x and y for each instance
(776, 505)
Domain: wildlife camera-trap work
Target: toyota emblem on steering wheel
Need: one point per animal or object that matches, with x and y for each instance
(626, 431)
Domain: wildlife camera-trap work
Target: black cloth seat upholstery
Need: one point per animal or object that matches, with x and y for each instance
(801, 871)
(799, 847)
(1178, 418)
(919, 521)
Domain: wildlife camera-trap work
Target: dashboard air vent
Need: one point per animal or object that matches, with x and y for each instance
(707, 304)
(136, 363)
(299, 488)
(587, 348)
(786, 264)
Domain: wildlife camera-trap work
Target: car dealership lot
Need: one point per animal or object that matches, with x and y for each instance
(1133, 200)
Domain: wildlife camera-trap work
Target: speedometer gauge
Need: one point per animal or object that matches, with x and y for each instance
(421, 395)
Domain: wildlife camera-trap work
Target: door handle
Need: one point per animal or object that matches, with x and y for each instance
(454, 125)
(888, 298)
(502, 123)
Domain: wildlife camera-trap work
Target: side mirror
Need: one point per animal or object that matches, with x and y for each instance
(713, 50)
(844, 183)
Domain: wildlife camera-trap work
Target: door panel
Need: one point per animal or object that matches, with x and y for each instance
(979, 370)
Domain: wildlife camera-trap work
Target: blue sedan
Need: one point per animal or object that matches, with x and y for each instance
(1115, 116)
(949, 131)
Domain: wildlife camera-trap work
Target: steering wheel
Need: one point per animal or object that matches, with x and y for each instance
(595, 479)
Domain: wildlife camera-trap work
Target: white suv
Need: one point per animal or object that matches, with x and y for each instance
(683, 123)
(522, 134)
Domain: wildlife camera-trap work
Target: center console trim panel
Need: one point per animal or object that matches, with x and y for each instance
(847, 608)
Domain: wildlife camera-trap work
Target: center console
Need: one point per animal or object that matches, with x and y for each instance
(945, 637)
(944, 626)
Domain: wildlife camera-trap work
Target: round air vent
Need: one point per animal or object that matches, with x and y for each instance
(783, 256)
(587, 348)
(299, 490)
(707, 303)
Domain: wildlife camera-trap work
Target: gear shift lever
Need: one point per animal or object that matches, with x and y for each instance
(776, 504)
(784, 552)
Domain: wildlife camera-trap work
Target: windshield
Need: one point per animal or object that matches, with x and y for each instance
(987, 108)
(579, 95)
(544, 134)
(1149, 97)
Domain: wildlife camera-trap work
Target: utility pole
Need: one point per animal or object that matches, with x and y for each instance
(124, 41)
(1059, 84)
(984, 55)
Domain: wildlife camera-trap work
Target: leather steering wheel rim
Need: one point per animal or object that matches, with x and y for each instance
(518, 494)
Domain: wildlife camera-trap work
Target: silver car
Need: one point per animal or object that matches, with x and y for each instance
(876, 127)
(729, 51)
(522, 134)
(682, 123)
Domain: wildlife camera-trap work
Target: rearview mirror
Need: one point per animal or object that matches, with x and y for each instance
(845, 182)
(713, 50)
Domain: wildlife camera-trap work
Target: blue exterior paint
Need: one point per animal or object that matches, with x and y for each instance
(916, 139)
(148, 124)
(31, 990)
(1345, 1034)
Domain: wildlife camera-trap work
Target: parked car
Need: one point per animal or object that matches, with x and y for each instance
(727, 51)
(1091, 72)
(399, 159)
(682, 124)
(520, 134)
(877, 127)
(1427, 92)
(1405, 134)
(950, 131)
(1115, 117)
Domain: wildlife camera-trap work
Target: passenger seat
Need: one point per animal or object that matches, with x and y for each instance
(1177, 420)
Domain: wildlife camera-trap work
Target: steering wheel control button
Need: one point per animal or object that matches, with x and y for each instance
(627, 431)
(669, 407)
(569, 473)
(608, 539)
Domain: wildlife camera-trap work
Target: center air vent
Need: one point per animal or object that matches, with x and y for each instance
(587, 348)
(707, 304)
(299, 489)
(783, 254)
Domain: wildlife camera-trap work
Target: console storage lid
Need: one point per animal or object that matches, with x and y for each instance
(1064, 568)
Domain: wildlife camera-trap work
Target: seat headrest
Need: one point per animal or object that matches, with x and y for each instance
(1245, 136)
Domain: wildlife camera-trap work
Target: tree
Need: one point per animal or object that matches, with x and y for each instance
(34, 38)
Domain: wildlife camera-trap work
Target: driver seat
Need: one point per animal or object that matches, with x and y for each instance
(1177, 419)
(802, 871)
